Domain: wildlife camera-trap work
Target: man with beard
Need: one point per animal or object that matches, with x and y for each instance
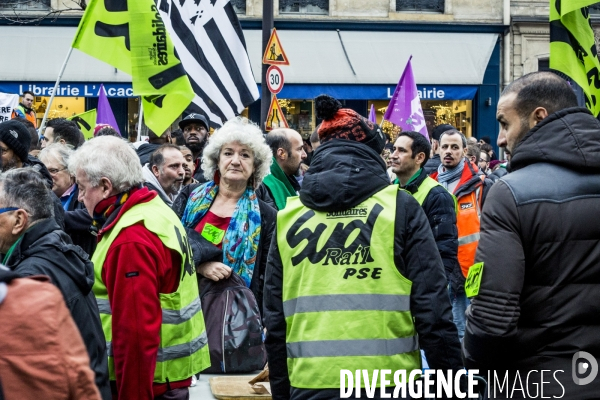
(195, 134)
(535, 303)
(188, 167)
(288, 152)
(24, 109)
(460, 177)
(164, 172)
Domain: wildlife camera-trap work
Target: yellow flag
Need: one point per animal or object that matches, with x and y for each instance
(573, 47)
(86, 122)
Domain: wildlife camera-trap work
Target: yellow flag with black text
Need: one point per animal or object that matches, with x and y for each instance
(103, 33)
(130, 35)
(573, 47)
(86, 122)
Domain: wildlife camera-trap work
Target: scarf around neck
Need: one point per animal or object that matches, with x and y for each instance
(447, 175)
(279, 185)
(240, 244)
(105, 208)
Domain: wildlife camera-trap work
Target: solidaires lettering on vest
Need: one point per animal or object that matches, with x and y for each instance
(345, 303)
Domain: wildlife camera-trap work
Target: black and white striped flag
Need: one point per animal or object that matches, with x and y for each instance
(210, 43)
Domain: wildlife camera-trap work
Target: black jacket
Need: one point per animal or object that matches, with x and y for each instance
(344, 173)
(432, 164)
(268, 217)
(538, 303)
(77, 225)
(440, 211)
(263, 192)
(44, 249)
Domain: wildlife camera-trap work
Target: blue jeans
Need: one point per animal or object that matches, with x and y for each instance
(460, 302)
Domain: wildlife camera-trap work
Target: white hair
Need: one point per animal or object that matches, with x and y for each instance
(108, 157)
(57, 151)
(244, 132)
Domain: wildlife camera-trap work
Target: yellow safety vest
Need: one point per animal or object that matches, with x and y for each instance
(346, 304)
(183, 348)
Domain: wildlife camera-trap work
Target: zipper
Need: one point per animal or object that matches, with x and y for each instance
(223, 331)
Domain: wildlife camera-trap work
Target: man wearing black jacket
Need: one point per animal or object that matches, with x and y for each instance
(411, 152)
(34, 244)
(346, 197)
(536, 295)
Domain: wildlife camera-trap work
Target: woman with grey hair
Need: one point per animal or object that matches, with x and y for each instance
(77, 220)
(225, 210)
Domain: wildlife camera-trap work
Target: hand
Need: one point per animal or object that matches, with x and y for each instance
(214, 270)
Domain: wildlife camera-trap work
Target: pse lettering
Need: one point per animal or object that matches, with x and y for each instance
(334, 252)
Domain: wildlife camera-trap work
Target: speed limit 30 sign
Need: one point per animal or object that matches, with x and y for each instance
(274, 79)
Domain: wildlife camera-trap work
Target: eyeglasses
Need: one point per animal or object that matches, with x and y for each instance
(54, 171)
(7, 209)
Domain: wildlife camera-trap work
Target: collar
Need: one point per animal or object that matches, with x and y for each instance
(69, 191)
(412, 178)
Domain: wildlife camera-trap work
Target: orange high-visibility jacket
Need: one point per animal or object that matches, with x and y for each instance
(469, 198)
(29, 116)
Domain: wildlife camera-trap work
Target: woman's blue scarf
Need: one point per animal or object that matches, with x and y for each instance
(240, 244)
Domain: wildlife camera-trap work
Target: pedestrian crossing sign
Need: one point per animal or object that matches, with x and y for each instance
(274, 53)
(275, 119)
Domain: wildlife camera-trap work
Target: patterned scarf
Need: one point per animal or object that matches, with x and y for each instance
(240, 244)
(106, 207)
(447, 175)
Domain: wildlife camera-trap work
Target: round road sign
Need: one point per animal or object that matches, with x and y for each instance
(274, 79)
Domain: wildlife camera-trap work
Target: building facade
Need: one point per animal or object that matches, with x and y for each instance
(355, 50)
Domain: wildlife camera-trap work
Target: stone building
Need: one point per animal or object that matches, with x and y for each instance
(355, 50)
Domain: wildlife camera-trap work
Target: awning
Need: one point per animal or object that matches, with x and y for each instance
(379, 57)
(36, 53)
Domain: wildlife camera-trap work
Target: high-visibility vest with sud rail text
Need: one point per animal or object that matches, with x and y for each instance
(346, 304)
(183, 348)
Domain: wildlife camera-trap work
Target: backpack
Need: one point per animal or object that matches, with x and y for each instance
(233, 326)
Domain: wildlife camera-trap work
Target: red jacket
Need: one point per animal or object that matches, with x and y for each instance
(136, 312)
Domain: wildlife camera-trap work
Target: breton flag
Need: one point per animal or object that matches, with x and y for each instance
(210, 44)
(189, 55)
(573, 48)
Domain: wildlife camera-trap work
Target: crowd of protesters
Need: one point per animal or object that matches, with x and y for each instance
(356, 249)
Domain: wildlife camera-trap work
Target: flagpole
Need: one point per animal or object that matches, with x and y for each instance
(141, 118)
(62, 70)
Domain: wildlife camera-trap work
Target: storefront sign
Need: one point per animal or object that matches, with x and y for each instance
(72, 89)
(290, 91)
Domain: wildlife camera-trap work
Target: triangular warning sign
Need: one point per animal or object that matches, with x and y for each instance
(274, 53)
(275, 119)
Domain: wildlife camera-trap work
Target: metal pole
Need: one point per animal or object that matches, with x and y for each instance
(267, 26)
(141, 118)
(62, 70)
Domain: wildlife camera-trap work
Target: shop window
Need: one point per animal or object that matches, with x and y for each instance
(299, 115)
(420, 5)
(239, 6)
(25, 5)
(304, 6)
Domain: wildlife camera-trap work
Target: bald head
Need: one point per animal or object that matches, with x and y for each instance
(287, 147)
(541, 89)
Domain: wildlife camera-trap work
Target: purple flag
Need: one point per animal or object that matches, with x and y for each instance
(405, 109)
(372, 116)
(105, 114)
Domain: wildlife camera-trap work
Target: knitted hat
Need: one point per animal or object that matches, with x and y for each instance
(493, 163)
(16, 136)
(438, 130)
(99, 127)
(344, 123)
